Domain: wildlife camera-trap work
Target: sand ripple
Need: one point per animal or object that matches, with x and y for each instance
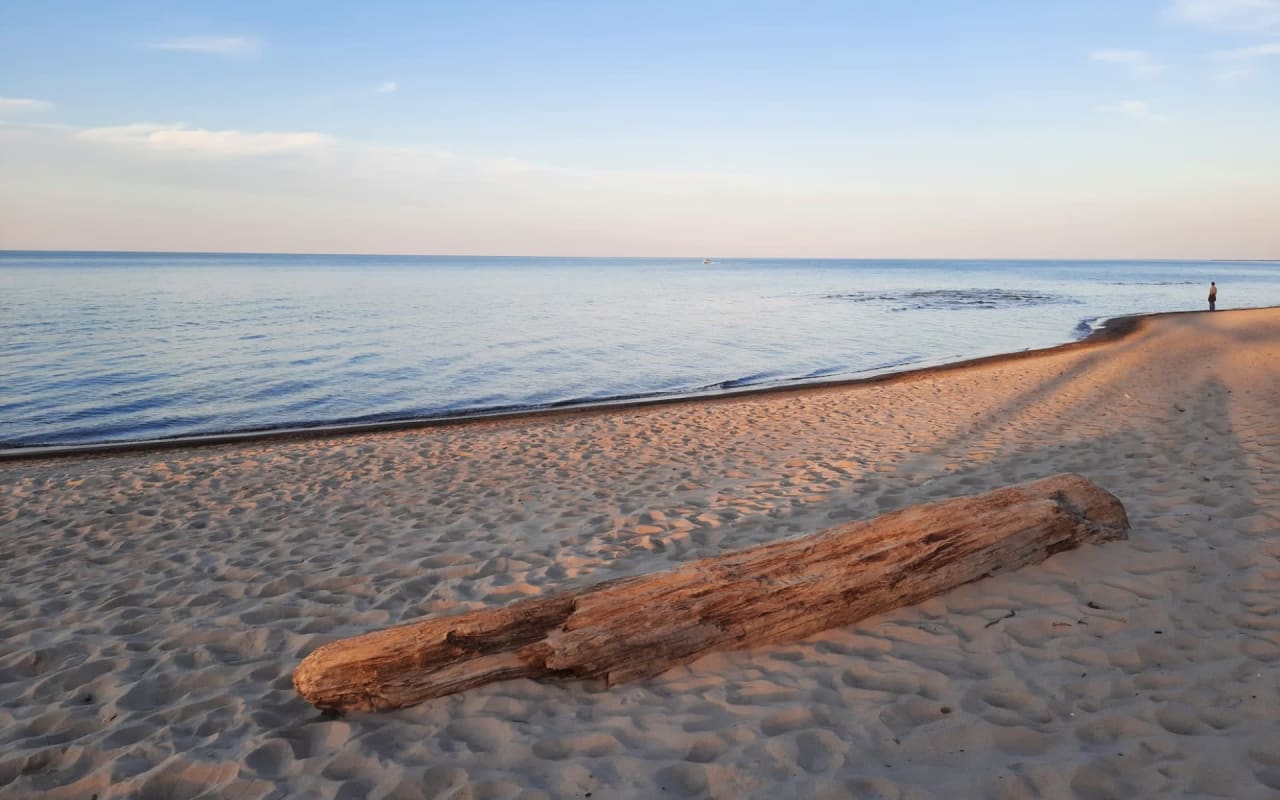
(154, 605)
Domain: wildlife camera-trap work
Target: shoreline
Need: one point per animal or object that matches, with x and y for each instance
(157, 603)
(1111, 329)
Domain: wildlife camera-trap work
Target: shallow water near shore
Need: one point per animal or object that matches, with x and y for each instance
(108, 347)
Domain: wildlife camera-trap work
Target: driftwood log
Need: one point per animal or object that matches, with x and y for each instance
(637, 627)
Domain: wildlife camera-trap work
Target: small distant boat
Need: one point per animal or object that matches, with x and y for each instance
(707, 261)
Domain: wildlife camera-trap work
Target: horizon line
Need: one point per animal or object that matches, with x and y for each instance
(4, 250)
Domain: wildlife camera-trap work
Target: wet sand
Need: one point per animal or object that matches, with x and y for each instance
(155, 603)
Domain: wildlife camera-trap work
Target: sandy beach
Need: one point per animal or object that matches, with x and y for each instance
(155, 604)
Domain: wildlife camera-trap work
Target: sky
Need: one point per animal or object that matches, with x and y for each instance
(702, 128)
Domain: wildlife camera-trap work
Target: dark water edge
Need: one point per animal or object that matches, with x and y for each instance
(1098, 332)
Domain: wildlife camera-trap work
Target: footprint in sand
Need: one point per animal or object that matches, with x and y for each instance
(272, 759)
(591, 745)
(817, 751)
(792, 719)
(480, 734)
(706, 749)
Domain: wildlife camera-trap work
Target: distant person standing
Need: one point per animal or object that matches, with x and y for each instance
(1213, 296)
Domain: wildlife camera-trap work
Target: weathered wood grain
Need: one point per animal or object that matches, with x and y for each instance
(637, 627)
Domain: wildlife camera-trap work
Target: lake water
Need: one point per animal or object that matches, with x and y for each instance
(106, 347)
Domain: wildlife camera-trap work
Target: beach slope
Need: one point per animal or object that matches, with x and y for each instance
(155, 604)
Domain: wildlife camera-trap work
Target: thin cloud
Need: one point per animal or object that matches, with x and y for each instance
(1249, 53)
(1139, 62)
(23, 105)
(1235, 16)
(1133, 109)
(1238, 64)
(180, 140)
(389, 87)
(212, 45)
(510, 166)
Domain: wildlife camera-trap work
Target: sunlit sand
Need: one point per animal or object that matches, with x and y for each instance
(156, 603)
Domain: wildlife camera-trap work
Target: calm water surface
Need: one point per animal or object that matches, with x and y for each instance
(102, 347)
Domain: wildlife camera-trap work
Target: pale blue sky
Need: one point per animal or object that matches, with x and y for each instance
(843, 129)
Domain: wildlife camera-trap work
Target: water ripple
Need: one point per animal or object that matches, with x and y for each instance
(108, 347)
